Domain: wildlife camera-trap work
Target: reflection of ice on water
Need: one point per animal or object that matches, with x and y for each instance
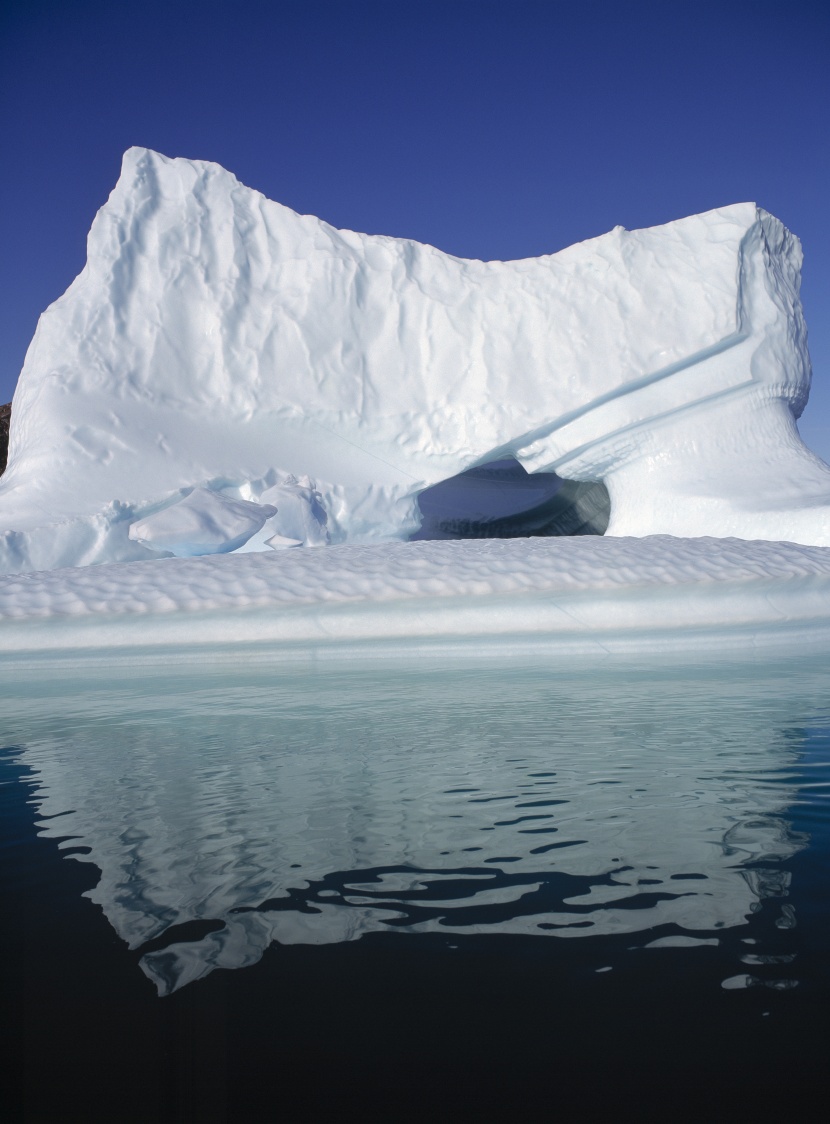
(316, 809)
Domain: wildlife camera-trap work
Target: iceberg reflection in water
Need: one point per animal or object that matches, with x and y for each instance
(227, 811)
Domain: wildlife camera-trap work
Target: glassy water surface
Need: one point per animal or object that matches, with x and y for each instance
(615, 841)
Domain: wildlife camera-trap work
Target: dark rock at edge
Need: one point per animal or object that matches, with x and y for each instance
(5, 419)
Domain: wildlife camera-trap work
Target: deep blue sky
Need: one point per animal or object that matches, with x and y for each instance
(490, 128)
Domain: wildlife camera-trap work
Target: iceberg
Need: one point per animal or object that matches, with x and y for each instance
(227, 381)
(217, 342)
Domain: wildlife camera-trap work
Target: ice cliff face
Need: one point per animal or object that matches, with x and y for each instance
(217, 342)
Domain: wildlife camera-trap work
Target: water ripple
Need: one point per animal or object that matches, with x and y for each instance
(228, 815)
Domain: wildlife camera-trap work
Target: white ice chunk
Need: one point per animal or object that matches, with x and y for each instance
(202, 523)
(300, 516)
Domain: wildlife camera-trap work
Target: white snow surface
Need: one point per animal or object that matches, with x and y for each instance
(567, 594)
(217, 341)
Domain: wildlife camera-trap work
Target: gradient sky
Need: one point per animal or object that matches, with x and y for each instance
(489, 128)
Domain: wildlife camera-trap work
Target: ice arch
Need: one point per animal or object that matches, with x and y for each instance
(502, 500)
(217, 341)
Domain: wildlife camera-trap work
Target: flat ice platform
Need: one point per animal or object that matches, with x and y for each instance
(561, 595)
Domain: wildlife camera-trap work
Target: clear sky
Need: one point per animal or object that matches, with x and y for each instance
(489, 128)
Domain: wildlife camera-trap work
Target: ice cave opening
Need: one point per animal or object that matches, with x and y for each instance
(500, 500)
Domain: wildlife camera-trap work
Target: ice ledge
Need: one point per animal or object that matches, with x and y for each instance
(567, 594)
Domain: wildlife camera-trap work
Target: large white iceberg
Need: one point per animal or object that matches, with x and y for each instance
(218, 342)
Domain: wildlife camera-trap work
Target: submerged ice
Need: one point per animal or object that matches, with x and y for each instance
(220, 353)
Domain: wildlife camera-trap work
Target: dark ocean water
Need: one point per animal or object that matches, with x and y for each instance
(462, 892)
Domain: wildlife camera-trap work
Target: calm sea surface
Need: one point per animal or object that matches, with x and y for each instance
(449, 892)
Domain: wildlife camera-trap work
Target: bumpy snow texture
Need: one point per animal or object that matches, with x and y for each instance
(567, 597)
(226, 374)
